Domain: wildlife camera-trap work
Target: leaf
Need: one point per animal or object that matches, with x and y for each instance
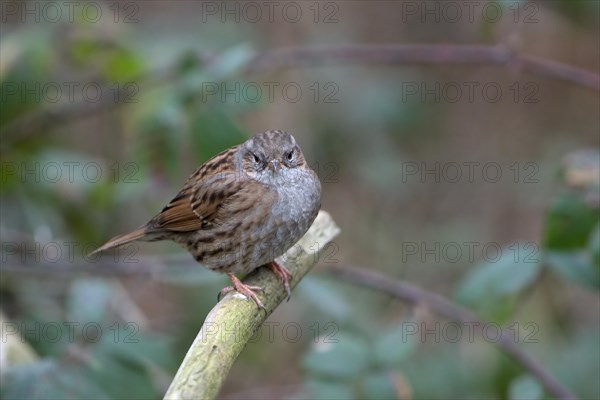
(491, 287)
(509, 274)
(188, 62)
(214, 132)
(159, 136)
(345, 357)
(576, 362)
(68, 174)
(574, 266)
(28, 59)
(122, 66)
(121, 376)
(329, 390)
(87, 301)
(525, 388)
(454, 372)
(594, 247)
(130, 343)
(326, 298)
(396, 344)
(379, 386)
(82, 52)
(231, 61)
(48, 379)
(569, 222)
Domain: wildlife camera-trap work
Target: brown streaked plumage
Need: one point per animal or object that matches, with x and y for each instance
(241, 209)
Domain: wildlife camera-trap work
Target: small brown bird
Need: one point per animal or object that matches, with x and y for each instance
(241, 209)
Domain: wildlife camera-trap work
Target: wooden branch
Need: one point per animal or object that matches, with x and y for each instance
(441, 306)
(400, 54)
(15, 350)
(233, 321)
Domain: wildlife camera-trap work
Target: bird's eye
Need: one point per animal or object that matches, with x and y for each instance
(290, 155)
(255, 158)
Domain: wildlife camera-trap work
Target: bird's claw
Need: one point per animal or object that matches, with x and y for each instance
(246, 290)
(285, 276)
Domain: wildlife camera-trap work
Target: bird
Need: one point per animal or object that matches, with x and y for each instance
(240, 210)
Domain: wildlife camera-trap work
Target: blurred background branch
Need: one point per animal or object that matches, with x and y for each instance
(399, 54)
(293, 57)
(366, 277)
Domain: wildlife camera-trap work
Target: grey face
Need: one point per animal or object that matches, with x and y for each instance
(271, 155)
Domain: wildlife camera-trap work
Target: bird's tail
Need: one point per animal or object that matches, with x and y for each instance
(121, 240)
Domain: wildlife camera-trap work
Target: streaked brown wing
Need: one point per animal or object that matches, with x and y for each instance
(231, 198)
(188, 212)
(178, 214)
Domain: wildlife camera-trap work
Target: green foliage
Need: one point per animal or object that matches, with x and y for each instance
(492, 287)
(127, 361)
(368, 136)
(525, 388)
(447, 372)
(122, 66)
(327, 298)
(53, 380)
(348, 361)
(32, 64)
(213, 132)
(594, 247)
(572, 237)
(231, 61)
(159, 138)
(329, 390)
(115, 63)
(344, 358)
(575, 266)
(100, 356)
(580, 12)
(569, 222)
(379, 385)
(394, 345)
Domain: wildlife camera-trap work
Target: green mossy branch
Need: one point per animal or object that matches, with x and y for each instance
(233, 321)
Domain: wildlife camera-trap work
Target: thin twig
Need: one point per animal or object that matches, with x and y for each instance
(422, 54)
(441, 306)
(144, 266)
(398, 54)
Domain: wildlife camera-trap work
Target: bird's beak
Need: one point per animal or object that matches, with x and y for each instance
(274, 166)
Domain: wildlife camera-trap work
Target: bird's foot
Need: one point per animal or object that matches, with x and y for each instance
(246, 290)
(285, 276)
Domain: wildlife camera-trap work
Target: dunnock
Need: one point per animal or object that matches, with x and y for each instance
(241, 209)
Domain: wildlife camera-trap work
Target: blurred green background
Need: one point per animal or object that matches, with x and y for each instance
(104, 115)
